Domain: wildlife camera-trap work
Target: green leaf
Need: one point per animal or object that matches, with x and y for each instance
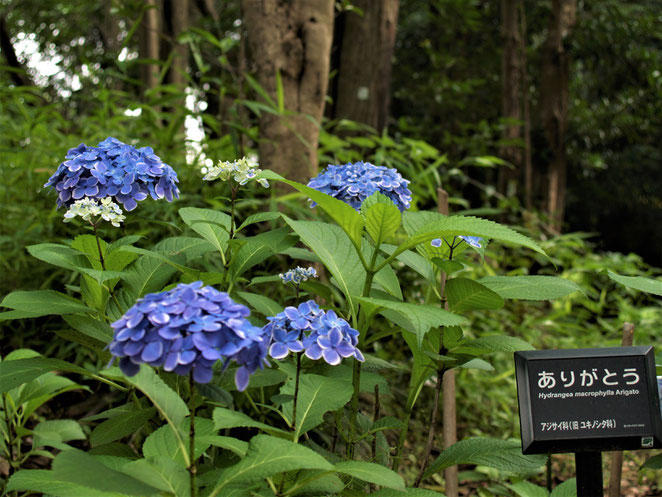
(654, 462)
(334, 249)
(259, 248)
(164, 441)
(226, 418)
(479, 364)
(372, 473)
(447, 266)
(527, 489)
(640, 283)
(75, 466)
(120, 426)
(449, 226)
(43, 303)
(416, 318)
(162, 473)
(566, 489)
(466, 295)
(347, 218)
(93, 328)
(317, 395)
(189, 247)
(17, 372)
(494, 343)
(530, 287)
(259, 218)
(413, 261)
(266, 457)
(169, 404)
(211, 225)
(146, 275)
(504, 455)
(382, 217)
(58, 431)
(263, 305)
(408, 492)
(47, 483)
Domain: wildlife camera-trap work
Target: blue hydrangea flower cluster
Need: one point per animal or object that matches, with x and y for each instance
(353, 183)
(308, 328)
(473, 241)
(298, 275)
(187, 329)
(113, 169)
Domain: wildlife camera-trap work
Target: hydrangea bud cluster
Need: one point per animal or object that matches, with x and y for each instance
(308, 328)
(113, 169)
(187, 329)
(298, 275)
(90, 210)
(353, 183)
(242, 171)
(473, 241)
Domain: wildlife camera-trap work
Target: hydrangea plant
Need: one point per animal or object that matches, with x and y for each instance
(353, 183)
(298, 275)
(113, 169)
(187, 329)
(91, 210)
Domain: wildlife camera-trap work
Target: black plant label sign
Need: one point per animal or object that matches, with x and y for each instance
(588, 399)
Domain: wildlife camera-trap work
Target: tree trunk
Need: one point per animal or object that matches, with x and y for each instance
(511, 77)
(526, 99)
(149, 46)
(554, 104)
(180, 23)
(363, 84)
(291, 38)
(18, 73)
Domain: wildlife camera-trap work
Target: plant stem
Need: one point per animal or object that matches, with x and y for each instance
(233, 190)
(401, 439)
(103, 265)
(192, 469)
(375, 417)
(296, 392)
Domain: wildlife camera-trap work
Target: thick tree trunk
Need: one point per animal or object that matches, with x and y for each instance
(149, 46)
(511, 77)
(363, 86)
(554, 104)
(528, 163)
(291, 38)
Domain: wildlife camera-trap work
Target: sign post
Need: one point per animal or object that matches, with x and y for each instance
(587, 401)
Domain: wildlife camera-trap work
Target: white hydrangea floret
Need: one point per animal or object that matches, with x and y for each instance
(242, 171)
(89, 210)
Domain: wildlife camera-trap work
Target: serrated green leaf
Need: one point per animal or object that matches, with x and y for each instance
(654, 462)
(530, 287)
(43, 303)
(494, 343)
(466, 295)
(527, 489)
(416, 318)
(46, 482)
(259, 248)
(504, 455)
(259, 218)
(211, 225)
(479, 364)
(414, 261)
(57, 430)
(566, 489)
(350, 221)
(226, 418)
(336, 252)
(146, 275)
(77, 467)
(449, 226)
(382, 218)
(263, 305)
(447, 266)
(648, 285)
(266, 457)
(164, 441)
(189, 247)
(120, 426)
(372, 473)
(167, 402)
(317, 395)
(14, 373)
(162, 473)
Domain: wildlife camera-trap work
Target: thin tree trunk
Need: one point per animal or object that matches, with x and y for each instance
(528, 165)
(180, 23)
(511, 94)
(293, 39)
(363, 87)
(149, 46)
(554, 104)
